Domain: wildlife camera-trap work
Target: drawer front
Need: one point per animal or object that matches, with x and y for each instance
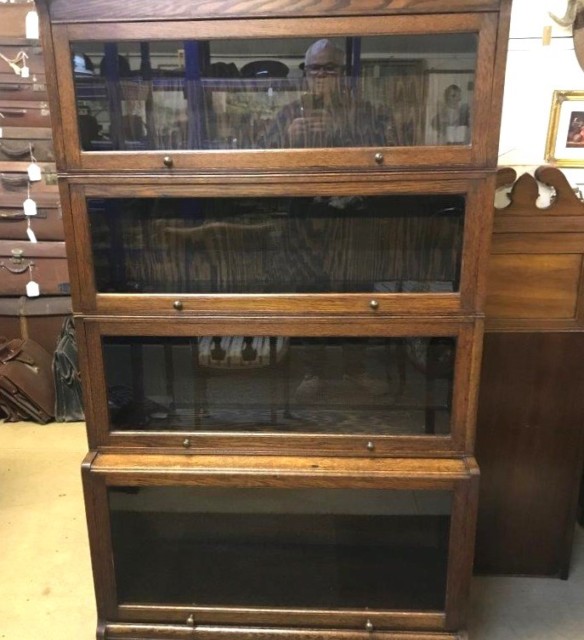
(24, 113)
(376, 248)
(16, 142)
(45, 263)
(281, 549)
(46, 225)
(361, 92)
(14, 87)
(289, 386)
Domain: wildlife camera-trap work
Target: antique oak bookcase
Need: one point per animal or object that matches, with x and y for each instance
(278, 216)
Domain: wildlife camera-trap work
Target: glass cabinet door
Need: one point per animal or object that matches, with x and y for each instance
(260, 93)
(291, 245)
(281, 548)
(284, 386)
(362, 83)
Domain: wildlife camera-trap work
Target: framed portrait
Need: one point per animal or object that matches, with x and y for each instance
(565, 138)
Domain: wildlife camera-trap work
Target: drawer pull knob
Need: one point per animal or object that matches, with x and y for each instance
(374, 304)
(378, 157)
(178, 305)
(370, 446)
(168, 162)
(191, 620)
(369, 626)
(186, 443)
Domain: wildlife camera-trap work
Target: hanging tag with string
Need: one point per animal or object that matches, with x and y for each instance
(31, 25)
(30, 209)
(18, 64)
(32, 288)
(34, 171)
(29, 205)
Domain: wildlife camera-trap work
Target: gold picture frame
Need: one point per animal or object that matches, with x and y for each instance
(565, 138)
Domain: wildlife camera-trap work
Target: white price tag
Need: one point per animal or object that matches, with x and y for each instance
(24, 72)
(32, 289)
(32, 25)
(31, 235)
(29, 206)
(34, 172)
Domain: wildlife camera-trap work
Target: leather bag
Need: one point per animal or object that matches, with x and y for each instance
(69, 400)
(27, 389)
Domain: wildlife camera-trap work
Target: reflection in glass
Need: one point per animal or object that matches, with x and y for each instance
(381, 386)
(275, 93)
(325, 244)
(317, 549)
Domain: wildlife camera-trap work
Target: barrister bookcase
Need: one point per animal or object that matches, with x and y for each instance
(278, 217)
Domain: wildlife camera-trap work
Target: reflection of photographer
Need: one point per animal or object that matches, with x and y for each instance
(452, 119)
(328, 114)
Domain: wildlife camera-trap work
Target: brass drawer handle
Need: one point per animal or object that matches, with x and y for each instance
(378, 157)
(178, 305)
(374, 305)
(168, 162)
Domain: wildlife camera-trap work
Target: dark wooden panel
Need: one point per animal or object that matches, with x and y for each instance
(529, 447)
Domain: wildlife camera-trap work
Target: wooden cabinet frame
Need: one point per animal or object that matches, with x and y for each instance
(111, 470)
(477, 154)
(460, 440)
(475, 245)
(277, 460)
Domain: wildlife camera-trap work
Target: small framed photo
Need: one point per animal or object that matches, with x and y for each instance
(565, 138)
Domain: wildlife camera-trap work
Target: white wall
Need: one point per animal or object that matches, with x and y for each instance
(534, 71)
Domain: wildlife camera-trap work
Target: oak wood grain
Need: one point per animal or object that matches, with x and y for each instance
(110, 10)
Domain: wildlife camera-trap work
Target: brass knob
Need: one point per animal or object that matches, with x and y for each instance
(191, 620)
(186, 443)
(370, 446)
(178, 305)
(369, 626)
(168, 162)
(374, 304)
(378, 157)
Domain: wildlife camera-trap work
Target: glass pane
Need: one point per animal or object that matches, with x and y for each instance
(275, 93)
(382, 386)
(324, 549)
(278, 245)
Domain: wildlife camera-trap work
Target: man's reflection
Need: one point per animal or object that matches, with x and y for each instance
(329, 114)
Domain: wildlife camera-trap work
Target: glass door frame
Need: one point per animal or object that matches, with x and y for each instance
(382, 159)
(460, 476)
(458, 441)
(475, 246)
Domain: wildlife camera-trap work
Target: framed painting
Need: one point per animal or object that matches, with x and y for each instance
(565, 138)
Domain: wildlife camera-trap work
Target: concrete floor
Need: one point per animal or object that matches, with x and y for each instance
(46, 589)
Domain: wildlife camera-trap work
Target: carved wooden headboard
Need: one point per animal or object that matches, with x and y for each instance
(535, 278)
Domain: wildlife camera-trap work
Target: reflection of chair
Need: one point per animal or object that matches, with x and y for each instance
(224, 257)
(233, 257)
(225, 354)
